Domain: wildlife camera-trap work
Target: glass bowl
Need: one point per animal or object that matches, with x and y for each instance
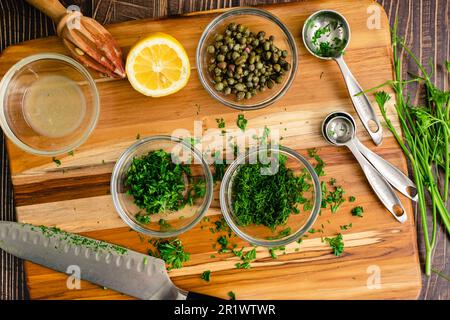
(168, 223)
(49, 104)
(297, 224)
(257, 20)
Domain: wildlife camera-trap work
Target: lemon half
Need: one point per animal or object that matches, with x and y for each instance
(158, 65)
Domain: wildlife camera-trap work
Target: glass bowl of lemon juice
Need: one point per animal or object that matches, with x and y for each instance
(49, 104)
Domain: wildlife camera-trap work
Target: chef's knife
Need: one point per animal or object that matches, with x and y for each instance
(99, 262)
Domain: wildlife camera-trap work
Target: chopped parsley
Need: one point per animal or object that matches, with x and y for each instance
(358, 211)
(206, 275)
(241, 122)
(56, 161)
(172, 252)
(346, 226)
(232, 295)
(220, 123)
(77, 240)
(351, 199)
(336, 244)
(273, 251)
(246, 258)
(158, 185)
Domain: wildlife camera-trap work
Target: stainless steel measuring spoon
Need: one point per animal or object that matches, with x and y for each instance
(339, 129)
(326, 35)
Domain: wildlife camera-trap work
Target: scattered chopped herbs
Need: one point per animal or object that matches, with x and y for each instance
(56, 161)
(223, 241)
(320, 165)
(220, 123)
(138, 136)
(164, 224)
(241, 122)
(157, 184)
(246, 258)
(358, 211)
(172, 252)
(346, 226)
(71, 153)
(273, 251)
(142, 218)
(351, 199)
(232, 295)
(77, 240)
(337, 244)
(206, 275)
(267, 199)
(335, 199)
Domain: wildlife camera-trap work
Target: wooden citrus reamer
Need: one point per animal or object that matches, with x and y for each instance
(87, 40)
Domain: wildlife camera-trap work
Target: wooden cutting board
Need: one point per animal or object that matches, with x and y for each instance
(75, 196)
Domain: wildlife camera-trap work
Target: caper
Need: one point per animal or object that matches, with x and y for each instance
(217, 79)
(270, 84)
(219, 86)
(277, 67)
(231, 81)
(227, 90)
(239, 70)
(241, 60)
(240, 87)
(261, 34)
(275, 58)
(240, 95)
(278, 79)
(272, 38)
(237, 47)
(252, 59)
(240, 28)
(259, 65)
(248, 95)
(232, 26)
(284, 53)
(220, 57)
(251, 67)
(249, 84)
(222, 65)
(255, 43)
(267, 55)
(224, 49)
(211, 49)
(266, 46)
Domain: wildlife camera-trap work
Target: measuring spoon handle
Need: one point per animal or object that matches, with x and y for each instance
(381, 187)
(393, 175)
(361, 102)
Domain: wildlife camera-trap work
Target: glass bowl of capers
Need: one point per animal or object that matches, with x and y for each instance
(247, 58)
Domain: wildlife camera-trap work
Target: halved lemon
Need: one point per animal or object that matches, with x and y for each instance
(158, 65)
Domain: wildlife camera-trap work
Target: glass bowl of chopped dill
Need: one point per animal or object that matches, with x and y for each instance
(247, 58)
(161, 186)
(270, 197)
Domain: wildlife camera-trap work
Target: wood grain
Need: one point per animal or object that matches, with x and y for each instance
(82, 204)
(424, 24)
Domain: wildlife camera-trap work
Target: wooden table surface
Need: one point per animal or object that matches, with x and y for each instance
(424, 24)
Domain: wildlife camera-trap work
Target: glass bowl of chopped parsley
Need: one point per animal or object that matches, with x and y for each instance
(270, 197)
(161, 186)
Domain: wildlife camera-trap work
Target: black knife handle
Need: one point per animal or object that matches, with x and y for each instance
(199, 296)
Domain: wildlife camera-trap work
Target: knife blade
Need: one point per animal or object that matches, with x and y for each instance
(99, 262)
